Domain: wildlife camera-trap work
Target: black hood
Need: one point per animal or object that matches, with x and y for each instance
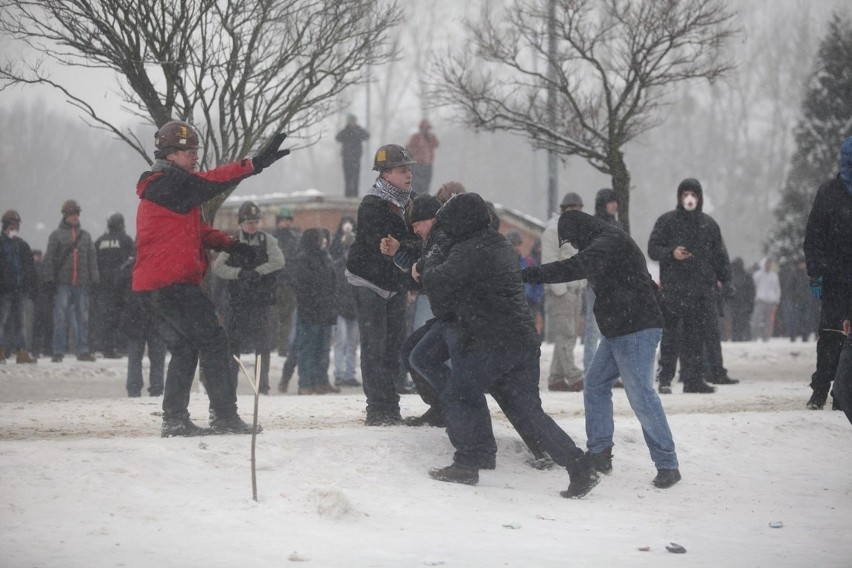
(580, 229)
(690, 184)
(311, 241)
(463, 215)
(115, 222)
(603, 197)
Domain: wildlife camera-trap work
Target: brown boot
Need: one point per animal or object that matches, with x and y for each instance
(24, 357)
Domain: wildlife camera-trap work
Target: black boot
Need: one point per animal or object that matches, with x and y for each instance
(724, 380)
(456, 473)
(817, 400)
(182, 427)
(230, 423)
(699, 387)
(666, 478)
(602, 461)
(583, 478)
(432, 417)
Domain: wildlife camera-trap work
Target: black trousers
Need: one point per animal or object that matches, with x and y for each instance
(186, 319)
(248, 330)
(834, 308)
(381, 323)
(690, 327)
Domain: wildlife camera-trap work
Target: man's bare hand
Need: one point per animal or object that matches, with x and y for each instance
(414, 273)
(389, 246)
(680, 253)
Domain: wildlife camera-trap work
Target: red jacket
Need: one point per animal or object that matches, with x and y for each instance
(170, 234)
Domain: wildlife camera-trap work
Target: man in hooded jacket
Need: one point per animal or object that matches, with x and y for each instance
(113, 248)
(494, 349)
(694, 262)
(828, 256)
(631, 322)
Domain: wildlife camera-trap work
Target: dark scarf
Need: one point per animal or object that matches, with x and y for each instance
(390, 192)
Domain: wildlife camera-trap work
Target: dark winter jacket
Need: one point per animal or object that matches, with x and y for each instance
(603, 197)
(481, 280)
(113, 248)
(828, 234)
(288, 241)
(378, 218)
(268, 262)
(171, 236)
(626, 296)
(70, 257)
(436, 247)
(344, 296)
(314, 281)
(699, 234)
(17, 269)
(351, 140)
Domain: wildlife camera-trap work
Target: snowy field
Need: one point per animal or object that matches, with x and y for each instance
(87, 481)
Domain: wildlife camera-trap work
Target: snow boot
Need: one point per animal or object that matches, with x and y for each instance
(698, 387)
(23, 357)
(182, 427)
(666, 478)
(230, 423)
(456, 473)
(389, 418)
(601, 461)
(583, 478)
(432, 417)
(817, 400)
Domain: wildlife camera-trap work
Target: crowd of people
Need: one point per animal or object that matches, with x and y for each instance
(426, 286)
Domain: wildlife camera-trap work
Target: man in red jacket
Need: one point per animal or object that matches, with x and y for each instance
(171, 262)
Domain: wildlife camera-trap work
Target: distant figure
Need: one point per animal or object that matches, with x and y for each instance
(798, 307)
(766, 297)
(422, 146)
(351, 139)
(113, 248)
(742, 302)
(345, 336)
(71, 265)
(17, 284)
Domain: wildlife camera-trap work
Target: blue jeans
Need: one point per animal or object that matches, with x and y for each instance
(312, 345)
(156, 358)
(71, 301)
(591, 331)
(346, 340)
(630, 356)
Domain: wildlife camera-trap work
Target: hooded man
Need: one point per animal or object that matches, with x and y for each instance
(693, 264)
(113, 248)
(494, 349)
(631, 324)
(828, 256)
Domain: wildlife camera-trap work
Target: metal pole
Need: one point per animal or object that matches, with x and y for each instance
(552, 173)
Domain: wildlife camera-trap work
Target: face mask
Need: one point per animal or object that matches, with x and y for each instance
(690, 202)
(13, 234)
(347, 227)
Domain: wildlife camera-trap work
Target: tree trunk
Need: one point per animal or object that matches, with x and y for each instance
(621, 185)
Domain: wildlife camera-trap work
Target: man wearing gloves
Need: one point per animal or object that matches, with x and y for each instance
(171, 263)
(828, 256)
(251, 291)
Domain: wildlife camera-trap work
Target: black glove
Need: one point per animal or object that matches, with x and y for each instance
(269, 153)
(531, 275)
(242, 253)
(249, 275)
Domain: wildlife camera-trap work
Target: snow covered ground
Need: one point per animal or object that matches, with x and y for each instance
(87, 481)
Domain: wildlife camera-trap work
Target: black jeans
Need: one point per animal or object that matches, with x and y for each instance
(833, 309)
(690, 325)
(186, 319)
(248, 330)
(381, 323)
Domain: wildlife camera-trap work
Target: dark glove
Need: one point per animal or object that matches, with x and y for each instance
(243, 254)
(269, 153)
(816, 287)
(249, 275)
(532, 275)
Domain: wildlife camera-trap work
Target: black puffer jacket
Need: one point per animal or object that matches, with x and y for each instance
(314, 281)
(377, 219)
(700, 235)
(480, 280)
(626, 296)
(828, 234)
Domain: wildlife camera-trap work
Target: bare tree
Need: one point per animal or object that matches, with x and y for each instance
(614, 65)
(240, 69)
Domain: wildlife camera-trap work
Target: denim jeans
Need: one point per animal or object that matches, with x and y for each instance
(631, 357)
(12, 305)
(346, 338)
(156, 359)
(312, 345)
(71, 301)
(591, 331)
